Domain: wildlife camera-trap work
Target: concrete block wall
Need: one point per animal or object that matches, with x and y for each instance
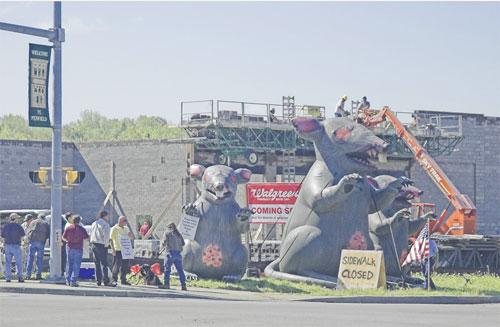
(149, 173)
(474, 168)
(17, 159)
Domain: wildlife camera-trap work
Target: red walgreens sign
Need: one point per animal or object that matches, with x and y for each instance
(271, 203)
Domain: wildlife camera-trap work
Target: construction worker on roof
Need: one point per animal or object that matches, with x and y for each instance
(365, 104)
(340, 111)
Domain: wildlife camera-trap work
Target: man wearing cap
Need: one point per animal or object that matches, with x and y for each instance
(38, 233)
(27, 221)
(12, 234)
(118, 232)
(173, 242)
(74, 235)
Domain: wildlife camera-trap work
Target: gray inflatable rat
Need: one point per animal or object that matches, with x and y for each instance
(331, 212)
(394, 221)
(217, 251)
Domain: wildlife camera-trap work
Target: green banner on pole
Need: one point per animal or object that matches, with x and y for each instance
(39, 67)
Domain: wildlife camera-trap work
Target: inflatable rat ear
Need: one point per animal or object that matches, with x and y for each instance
(196, 171)
(243, 175)
(307, 127)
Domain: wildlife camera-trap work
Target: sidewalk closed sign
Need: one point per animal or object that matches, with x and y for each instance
(39, 67)
(362, 269)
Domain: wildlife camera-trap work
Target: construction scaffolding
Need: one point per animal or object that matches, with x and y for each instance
(227, 132)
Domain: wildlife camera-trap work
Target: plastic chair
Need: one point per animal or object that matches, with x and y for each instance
(156, 269)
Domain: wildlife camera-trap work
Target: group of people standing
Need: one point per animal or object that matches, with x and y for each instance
(101, 236)
(35, 231)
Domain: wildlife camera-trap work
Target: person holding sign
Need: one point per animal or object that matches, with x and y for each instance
(121, 237)
(173, 243)
(74, 235)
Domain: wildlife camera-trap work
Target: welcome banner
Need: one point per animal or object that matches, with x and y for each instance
(39, 67)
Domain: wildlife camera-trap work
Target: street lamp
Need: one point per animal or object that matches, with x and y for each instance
(56, 36)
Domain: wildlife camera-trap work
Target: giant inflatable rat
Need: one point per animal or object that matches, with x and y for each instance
(216, 250)
(331, 212)
(390, 227)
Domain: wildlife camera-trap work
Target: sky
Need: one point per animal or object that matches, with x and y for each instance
(125, 59)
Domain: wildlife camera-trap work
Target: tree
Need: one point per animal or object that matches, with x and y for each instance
(92, 126)
(15, 127)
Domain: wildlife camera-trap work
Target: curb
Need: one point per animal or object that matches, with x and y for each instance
(90, 292)
(172, 294)
(409, 299)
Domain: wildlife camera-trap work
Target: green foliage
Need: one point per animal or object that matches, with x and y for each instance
(92, 126)
(15, 127)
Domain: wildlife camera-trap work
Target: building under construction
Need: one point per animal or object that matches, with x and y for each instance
(145, 179)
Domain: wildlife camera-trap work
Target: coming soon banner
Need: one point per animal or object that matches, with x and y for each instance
(39, 66)
(271, 203)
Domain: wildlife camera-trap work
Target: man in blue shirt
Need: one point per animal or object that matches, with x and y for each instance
(12, 234)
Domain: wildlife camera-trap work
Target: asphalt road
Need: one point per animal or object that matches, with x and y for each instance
(54, 310)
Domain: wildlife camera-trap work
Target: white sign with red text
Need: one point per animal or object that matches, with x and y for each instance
(271, 203)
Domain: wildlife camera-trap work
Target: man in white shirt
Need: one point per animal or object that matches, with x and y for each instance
(340, 111)
(99, 239)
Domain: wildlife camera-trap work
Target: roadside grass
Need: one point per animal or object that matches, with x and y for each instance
(447, 284)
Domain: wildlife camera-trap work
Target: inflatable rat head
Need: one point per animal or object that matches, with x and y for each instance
(219, 182)
(341, 142)
(407, 192)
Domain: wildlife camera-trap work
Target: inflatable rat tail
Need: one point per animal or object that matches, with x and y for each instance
(272, 271)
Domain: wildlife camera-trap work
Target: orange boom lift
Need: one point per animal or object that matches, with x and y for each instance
(463, 219)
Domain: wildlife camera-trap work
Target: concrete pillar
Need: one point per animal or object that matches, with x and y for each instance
(270, 176)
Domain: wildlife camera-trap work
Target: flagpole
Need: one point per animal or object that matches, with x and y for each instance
(429, 257)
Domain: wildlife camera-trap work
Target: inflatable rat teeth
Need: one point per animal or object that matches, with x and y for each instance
(331, 212)
(217, 251)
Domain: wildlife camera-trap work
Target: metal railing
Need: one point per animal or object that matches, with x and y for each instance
(243, 113)
(427, 125)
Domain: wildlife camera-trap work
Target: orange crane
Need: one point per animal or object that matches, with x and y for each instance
(463, 219)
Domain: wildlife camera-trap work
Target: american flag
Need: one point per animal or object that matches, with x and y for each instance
(420, 249)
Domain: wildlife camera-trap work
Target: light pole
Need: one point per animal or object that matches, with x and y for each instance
(56, 36)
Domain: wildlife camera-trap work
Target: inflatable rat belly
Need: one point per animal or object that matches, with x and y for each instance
(390, 227)
(331, 212)
(216, 250)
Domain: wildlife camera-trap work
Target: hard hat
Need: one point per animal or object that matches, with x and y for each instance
(344, 97)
